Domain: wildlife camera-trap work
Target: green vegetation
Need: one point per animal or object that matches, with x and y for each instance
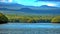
(14, 18)
(31, 18)
(56, 19)
(3, 19)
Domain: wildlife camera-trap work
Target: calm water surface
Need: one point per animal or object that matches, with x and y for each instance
(29, 28)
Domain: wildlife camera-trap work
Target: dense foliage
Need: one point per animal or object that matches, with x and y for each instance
(29, 18)
(32, 19)
(56, 19)
(3, 19)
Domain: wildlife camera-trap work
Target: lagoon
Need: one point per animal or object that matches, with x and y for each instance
(30, 28)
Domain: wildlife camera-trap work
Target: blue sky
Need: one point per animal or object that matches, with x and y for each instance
(34, 2)
(38, 2)
(48, 0)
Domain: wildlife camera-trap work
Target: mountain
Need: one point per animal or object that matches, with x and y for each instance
(11, 5)
(44, 9)
(41, 11)
(26, 9)
(17, 8)
(46, 6)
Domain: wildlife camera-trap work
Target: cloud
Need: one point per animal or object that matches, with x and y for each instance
(6, 0)
(9, 0)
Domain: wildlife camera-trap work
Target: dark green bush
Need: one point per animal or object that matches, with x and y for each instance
(3, 19)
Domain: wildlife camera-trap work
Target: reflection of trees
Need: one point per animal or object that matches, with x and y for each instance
(3, 19)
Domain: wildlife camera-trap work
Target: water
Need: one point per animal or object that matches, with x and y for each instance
(28, 25)
(29, 28)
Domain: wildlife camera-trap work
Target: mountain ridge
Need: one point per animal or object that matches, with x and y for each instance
(19, 5)
(26, 9)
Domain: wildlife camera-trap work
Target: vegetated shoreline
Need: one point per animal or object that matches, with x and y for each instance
(31, 18)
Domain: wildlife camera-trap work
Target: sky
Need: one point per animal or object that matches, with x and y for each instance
(48, 0)
(34, 2)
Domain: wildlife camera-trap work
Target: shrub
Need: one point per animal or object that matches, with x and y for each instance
(3, 19)
(56, 19)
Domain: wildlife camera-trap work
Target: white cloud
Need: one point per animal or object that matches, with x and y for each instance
(9, 0)
(5, 0)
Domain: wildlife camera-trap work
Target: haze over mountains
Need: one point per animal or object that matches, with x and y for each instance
(15, 5)
(44, 9)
